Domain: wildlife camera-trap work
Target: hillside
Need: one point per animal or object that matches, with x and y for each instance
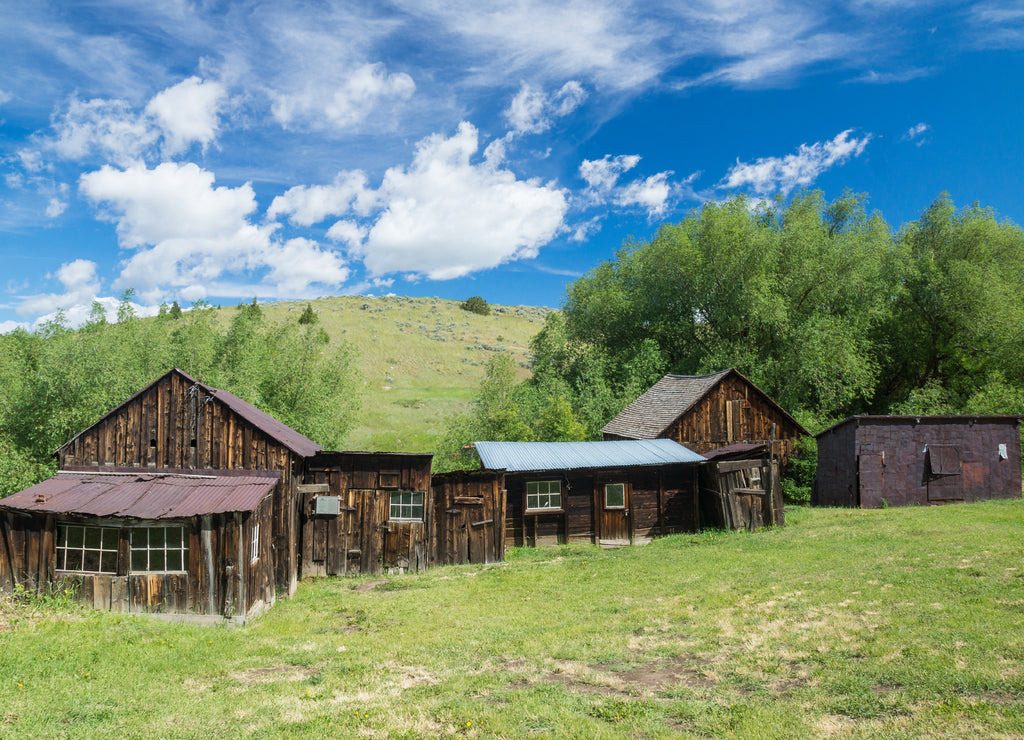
(422, 359)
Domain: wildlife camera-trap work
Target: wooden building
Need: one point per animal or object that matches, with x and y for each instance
(609, 493)
(740, 488)
(179, 423)
(146, 541)
(873, 461)
(706, 412)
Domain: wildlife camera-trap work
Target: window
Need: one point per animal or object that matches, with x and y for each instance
(159, 549)
(254, 549)
(544, 494)
(388, 480)
(615, 496)
(87, 549)
(407, 505)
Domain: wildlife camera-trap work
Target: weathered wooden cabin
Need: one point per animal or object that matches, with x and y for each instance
(609, 493)
(869, 462)
(179, 423)
(705, 412)
(740, 488)
(146, 541)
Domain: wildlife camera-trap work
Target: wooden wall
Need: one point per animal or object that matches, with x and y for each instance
(733, 412)
(173, 424)
(220, 579)
(731, 498)
(469, 517)
(866, 462)
(661, 500)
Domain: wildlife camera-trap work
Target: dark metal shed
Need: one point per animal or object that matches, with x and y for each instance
(869, 462)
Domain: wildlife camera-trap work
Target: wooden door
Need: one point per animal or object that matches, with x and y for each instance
(613, 500)
(871, 474)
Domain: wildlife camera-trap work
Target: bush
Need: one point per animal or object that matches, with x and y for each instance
(803, 465)
(309, 315)
(476, 304)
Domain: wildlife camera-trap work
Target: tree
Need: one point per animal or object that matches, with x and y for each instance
(175, 312)
(476, 304)
(309, 315)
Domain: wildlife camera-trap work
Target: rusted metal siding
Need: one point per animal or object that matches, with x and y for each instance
(876, 461)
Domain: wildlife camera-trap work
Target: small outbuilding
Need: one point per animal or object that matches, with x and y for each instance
(706, 412)
(869, 462)
(193, 542)
(609, 493)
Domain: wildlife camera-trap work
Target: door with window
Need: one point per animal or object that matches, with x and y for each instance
(613, 512)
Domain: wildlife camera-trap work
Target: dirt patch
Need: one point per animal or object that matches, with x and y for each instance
(676, 672)
(369, 586)
(275, 673)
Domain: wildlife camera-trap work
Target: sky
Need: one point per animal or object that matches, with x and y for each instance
(222, 151)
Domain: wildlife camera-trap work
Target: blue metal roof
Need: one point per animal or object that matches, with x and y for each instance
(528, 456)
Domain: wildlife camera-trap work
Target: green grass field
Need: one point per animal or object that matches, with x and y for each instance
(421, 358)
(891, 623)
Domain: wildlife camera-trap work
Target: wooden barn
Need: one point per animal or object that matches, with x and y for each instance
(146, 541)
(178, 423)
(609, 493)
(706, 412)
(740, 488)
(869, 462)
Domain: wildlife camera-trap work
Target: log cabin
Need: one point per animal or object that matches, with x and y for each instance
(706, 412)
(609, 493)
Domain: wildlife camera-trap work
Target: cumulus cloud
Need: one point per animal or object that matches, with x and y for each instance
(347, 232)
(80, 286)
(55, 207)
(109, 128)
(6, 327)
(308, 205)
(651, 194)
(602, 174)
(782, 174)
(445, 217)
(602, 178)
(187, 233)
(532, 111)
(187, 113)
(345, 104)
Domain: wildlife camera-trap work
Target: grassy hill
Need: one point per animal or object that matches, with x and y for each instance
(889, 623)
(422, 359)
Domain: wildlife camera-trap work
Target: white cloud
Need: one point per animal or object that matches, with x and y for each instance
(916, 131)
(532, 112)
(308, 205)
(6, 327)
(187, 113)
(187, 234)
(782, 174)
(80, 286)
(4, 98)
(602, 174)
(446, 217)
(346, 103)
(885, 78)
(109, 128)
(651, 194)
(55, 207)
(347, 232)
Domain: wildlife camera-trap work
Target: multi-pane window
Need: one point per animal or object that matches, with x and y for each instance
(406, 505)
(254, 549)
(615, 496)
(544, 494)
(87, 549)
(159, 549)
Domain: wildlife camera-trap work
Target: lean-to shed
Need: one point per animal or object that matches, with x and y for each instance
(705, 412)
(186, 543)
(872, 461)
(610, 493)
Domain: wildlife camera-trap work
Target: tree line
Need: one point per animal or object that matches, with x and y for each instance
(57, 381)
(824, 306)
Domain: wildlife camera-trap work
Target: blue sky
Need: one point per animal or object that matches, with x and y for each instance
(225, 150)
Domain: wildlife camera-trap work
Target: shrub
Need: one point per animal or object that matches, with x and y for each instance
(309, 315)
(476, 304)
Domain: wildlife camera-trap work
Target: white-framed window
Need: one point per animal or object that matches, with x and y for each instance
(87, 549)
(406, 505)
(543, 494)
(615, 496)
(159, 549)
(254, 548)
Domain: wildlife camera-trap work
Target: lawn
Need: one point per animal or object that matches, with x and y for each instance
(891, 623)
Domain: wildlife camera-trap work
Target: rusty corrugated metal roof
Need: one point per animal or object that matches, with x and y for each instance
(528, 456)
(293, 440)
(668, 399)
(143, 495)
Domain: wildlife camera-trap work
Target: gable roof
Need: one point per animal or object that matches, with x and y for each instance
(671, 397)
(144, 494)
(293, 440)
(517, 457)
